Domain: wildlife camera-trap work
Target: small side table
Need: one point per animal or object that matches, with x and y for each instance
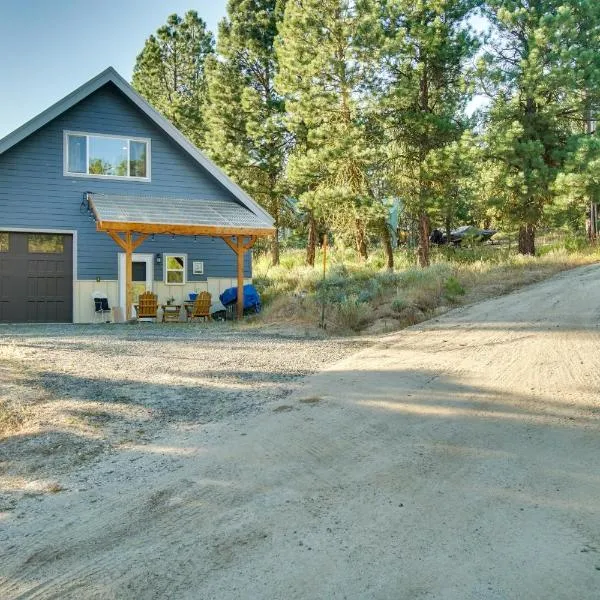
(171, 313)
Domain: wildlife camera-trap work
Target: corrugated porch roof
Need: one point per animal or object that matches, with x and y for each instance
(175, 215)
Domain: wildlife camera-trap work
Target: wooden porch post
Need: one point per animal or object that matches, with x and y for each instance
(128, 276)
(240, 250)
(128, 245)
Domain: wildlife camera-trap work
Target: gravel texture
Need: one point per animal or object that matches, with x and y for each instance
(77, 391)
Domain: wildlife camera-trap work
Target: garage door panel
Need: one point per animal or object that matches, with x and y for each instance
(36, 286)
(48, 311)
(4, 310)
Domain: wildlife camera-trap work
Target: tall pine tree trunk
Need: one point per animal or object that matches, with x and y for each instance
(361, 239)
(312, 240)
(275, 206)
(423, 249)
(527, 239)
(386, 238)
(275, 246)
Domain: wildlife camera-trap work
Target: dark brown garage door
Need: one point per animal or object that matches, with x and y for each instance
(36, 278)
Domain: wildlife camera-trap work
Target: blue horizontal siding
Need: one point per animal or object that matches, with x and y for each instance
(34, 193)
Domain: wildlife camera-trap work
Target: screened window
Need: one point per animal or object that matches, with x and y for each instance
(3, 242)
(175, 265)
(45, 243)
(106, 156)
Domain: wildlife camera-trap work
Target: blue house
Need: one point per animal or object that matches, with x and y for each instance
(100, 193)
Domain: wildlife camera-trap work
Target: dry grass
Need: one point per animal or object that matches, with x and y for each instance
(12, 416)
(363, 297)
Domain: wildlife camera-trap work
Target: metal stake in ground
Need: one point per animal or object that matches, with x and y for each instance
(322, 325)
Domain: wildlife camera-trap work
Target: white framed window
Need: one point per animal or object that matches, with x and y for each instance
(175, 268)
(106, 156)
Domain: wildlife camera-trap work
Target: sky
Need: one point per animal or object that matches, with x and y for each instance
(50, 47)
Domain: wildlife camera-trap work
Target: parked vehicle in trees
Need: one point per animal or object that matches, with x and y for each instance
(464, 233)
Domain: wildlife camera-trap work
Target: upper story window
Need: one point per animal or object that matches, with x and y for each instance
(94, 155)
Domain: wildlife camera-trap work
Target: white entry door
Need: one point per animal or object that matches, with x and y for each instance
(143, 276)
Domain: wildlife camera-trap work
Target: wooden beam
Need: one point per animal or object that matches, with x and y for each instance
(128, 243)
(118, 239)
(230, 243)
(250, 243)
(240, 276)
(139, 240)
(240, 249)
(175, 229)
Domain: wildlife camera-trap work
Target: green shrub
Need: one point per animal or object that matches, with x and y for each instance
(388, 279)
(351, 313)
(398, 305)
(453, 288)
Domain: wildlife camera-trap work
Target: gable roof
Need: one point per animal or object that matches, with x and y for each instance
(111, 76)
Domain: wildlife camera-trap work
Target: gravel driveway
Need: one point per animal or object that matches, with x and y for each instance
(76, 392)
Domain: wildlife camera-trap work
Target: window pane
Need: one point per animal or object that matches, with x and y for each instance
(137, 159)
(45, 243)
(174, 276)
(3, 242)
(76, 153)
(138, 271)
(175, 269)
(175, 262)
(108, 156)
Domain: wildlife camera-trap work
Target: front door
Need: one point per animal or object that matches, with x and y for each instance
(142, 275)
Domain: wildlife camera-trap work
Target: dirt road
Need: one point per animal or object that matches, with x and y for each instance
(456, 460)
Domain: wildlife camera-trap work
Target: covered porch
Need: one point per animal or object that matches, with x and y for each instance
(131, 220)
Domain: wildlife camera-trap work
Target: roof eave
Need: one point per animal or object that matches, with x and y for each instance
(179, 229)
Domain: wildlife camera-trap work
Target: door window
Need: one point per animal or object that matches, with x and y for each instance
(45, 243)
(138, 277)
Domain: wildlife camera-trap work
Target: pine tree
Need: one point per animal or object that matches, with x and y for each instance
(422, 89)
(451, 173)
(322, 70)
(540, 70)
(169, 72)
(244, 112)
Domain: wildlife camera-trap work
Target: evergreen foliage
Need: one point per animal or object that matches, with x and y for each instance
(322, 74)
(329, 112)
(423, 92)
(169, 72)
(540, 71)
(244, 112)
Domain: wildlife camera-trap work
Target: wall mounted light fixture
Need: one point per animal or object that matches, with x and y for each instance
(158, 259)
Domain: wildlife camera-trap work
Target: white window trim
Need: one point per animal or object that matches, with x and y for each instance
(185, 262)
(67, 173)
